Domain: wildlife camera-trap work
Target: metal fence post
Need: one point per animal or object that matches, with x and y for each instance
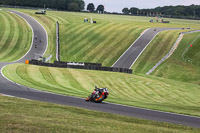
(57, 42)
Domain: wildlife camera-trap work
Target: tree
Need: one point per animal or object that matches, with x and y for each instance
(126, 11)
(134, 10)
(73, 7)
(55, 4)
(100, 9)
(80, 3)
(90, 7)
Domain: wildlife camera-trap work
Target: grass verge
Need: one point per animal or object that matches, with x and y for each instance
(25, 116)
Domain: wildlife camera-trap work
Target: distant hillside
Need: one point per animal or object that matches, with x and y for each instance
(70, 5)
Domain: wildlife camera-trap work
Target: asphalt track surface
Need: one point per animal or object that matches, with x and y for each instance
(129, 57)
(9, 88)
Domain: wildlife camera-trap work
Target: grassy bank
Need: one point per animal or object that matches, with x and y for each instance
(15, 37)
(136, 90)
(25, 116)
(184, 64)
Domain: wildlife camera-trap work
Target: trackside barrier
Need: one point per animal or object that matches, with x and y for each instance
(80, 65)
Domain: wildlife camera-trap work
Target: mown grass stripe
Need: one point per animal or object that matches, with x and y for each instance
(95, 44)
(79, 38)
(120, 92)
(60, 19)
(13, 39)
(119, 42)
(7, 31)
(2, 26)
(107, 40)
(92, 44)
(50, 76)
(75, 36)
(49, 79)
(73, 81)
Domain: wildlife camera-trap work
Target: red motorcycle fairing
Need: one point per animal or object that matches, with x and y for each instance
(98, 95)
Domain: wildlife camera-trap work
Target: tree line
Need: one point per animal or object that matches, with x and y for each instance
(192, 11)
(91, 8)
(70, 5)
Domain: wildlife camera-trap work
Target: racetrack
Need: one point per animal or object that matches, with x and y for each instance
(9, 88)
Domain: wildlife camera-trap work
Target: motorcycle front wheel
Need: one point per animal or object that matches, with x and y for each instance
(100, 99)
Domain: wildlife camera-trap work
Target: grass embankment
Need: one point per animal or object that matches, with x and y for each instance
(148, 92)
(103, 42)
(15, 37)
(156, 50)
(25, 116)
(184, 64)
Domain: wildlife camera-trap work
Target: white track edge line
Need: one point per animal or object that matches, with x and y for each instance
(153, 110)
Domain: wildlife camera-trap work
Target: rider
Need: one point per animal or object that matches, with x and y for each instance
(95, 93)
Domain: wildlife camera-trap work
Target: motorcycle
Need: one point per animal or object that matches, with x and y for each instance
(98, 95)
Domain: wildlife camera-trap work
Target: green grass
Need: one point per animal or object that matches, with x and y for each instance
(184, 64)
(26, 116)
(135, 90)
(156, 50)
(103, 42)
(15, 37)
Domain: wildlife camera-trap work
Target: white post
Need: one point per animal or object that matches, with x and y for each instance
(91, 21)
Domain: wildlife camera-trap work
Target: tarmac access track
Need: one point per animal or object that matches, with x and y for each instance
(12, 89)
(129, 57)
